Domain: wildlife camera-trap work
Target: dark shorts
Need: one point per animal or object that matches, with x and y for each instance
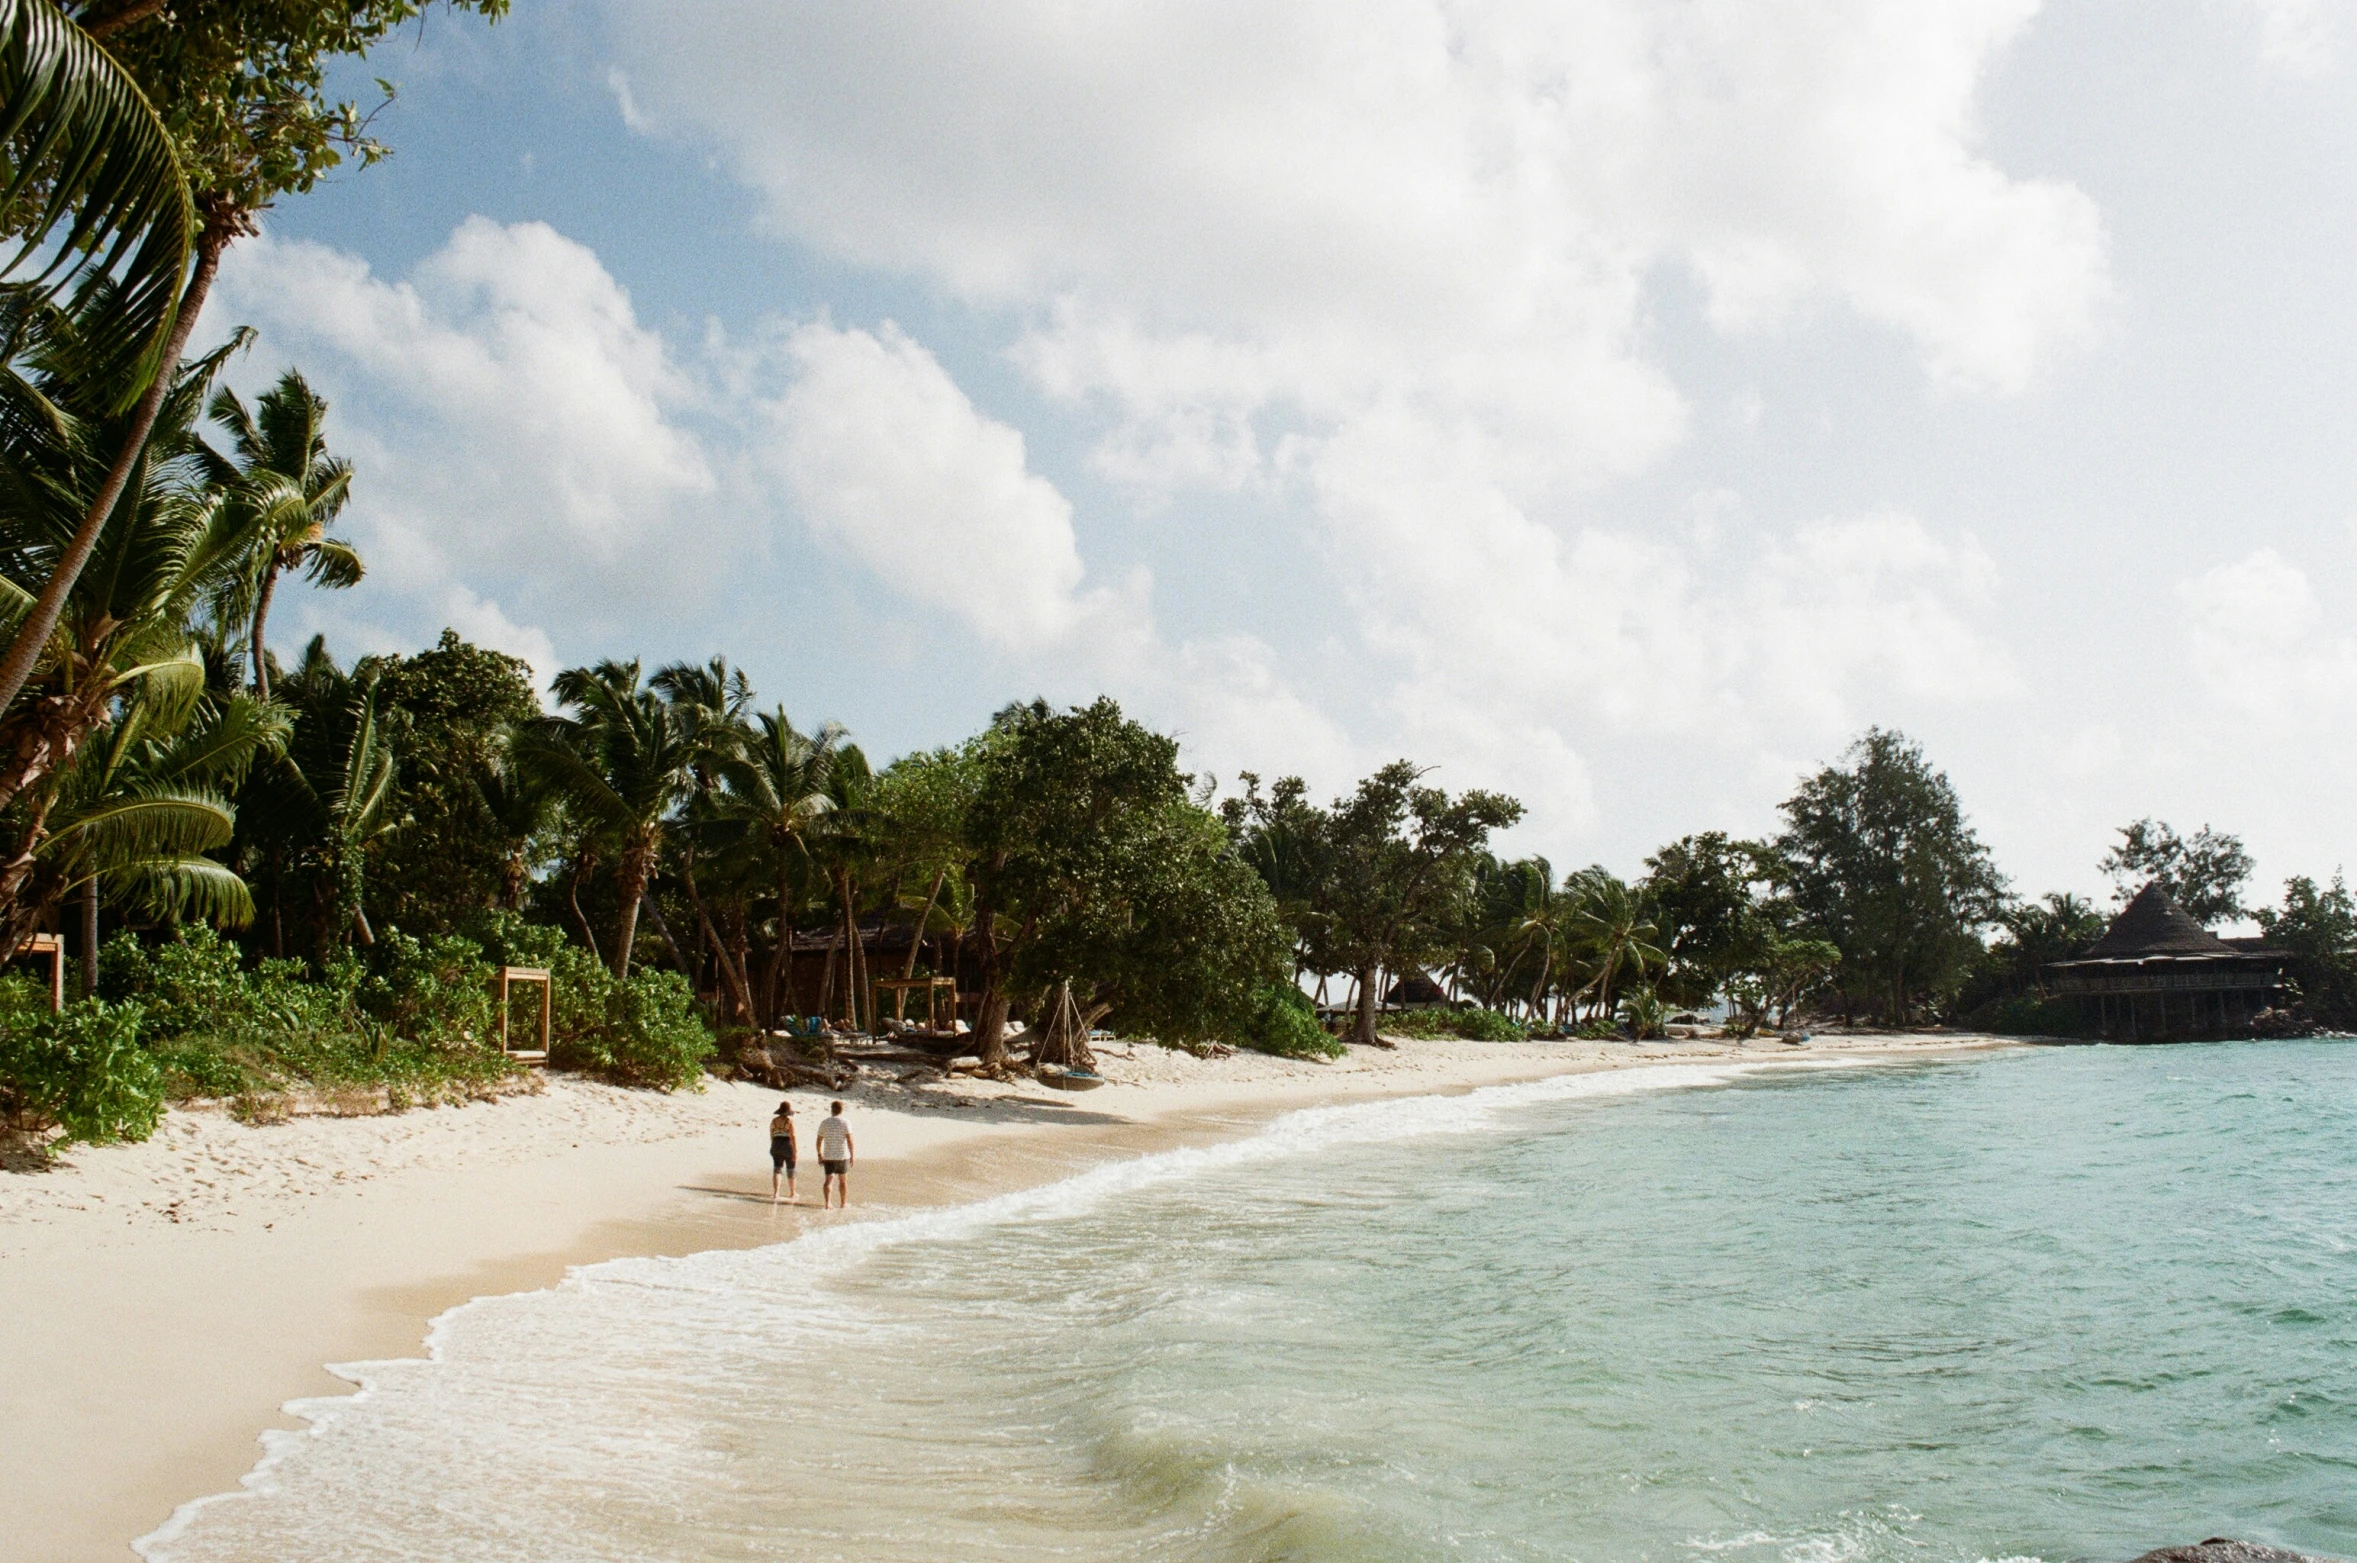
(836, 1168)
(781, 1155)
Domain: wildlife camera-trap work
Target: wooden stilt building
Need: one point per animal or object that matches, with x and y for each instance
(2156, 975)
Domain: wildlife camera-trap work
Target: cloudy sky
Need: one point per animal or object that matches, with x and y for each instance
(1620, 402)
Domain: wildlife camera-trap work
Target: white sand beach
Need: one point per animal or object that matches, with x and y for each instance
(164, 1300)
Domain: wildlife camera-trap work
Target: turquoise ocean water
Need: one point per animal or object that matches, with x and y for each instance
(2058, 1304)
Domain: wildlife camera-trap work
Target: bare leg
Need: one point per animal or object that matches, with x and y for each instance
(773, 1183)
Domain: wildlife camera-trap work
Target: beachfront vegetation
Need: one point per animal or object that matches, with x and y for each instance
(304, 874)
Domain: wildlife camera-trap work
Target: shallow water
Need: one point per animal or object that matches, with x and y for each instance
(2064, 1303)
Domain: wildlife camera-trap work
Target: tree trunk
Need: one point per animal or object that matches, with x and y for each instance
(854, 952)
(687, 969)
(90, 936)
(581, 868)
(990, 1011)
(254, 641)
(916, 940)
(728, 972)
(1366, 1022)
(633, 872)
(222, 223)
(781, 959)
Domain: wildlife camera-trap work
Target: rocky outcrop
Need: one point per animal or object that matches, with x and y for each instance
(2218, 1549)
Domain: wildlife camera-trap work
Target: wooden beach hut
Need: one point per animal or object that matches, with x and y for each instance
(2156, 975)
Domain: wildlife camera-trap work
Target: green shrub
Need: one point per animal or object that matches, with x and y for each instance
(644, 1031)
(1488, 1025)
(1473, 1025)
(81, 1070)
(1599, 1030)
(1285, 1023)
(1644, 1015)
(412, 1017)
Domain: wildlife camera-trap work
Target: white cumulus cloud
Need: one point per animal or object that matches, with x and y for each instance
(887, 458)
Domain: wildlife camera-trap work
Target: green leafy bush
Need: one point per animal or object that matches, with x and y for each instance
(414, 1018)
(1644, 1015)
(1473, 1025)
(82, 1070)
(1285, 1023)
(645, 1031)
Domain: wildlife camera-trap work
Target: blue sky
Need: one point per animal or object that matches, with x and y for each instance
(1620, 403)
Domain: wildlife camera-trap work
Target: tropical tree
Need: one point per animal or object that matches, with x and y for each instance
(1615, 932)
(778, 791)
(472, 819)
(1282, 835)
(94, 185)
(237, 91)
(624, 758)
(280, 469)
(1712, 923)
(318, 814)
(2204, 873)
(139, 812)
(1093, 866)
(846, 849)
(1880, 861)
(168, 545)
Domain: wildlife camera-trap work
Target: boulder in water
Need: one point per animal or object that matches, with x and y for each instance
(2219, 1549)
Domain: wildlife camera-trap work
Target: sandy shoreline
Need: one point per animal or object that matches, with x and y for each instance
(164, 1300)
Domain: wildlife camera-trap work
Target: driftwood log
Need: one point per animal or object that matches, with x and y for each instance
(763, 1066)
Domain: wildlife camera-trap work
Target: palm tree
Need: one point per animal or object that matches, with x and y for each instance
(281, 470)
(1614, 927)
(317, 809)
(520, 802)
(844, 850)
(139, 810)
(779, 792)
(97, 190)
(93, 181)
(168, 545)
(623, 759)
(1540, 923)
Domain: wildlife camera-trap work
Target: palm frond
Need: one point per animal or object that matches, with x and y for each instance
(184, 889)
(85, 143)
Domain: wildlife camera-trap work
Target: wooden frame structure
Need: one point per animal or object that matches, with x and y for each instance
(53, 946)
(510, 975)
(901, 987)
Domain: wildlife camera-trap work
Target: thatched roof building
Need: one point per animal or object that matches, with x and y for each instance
(2157, 975)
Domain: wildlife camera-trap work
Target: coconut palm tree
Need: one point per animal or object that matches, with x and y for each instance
(99, 202)
(315, 811)
(168, 545)
(845, 849)
(280, 469)
(1615, 930)
(140, 810)
(624, 758)
(778, 793)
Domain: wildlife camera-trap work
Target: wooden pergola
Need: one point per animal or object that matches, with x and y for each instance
(508, 977)
(931, 987)
(53, 946)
